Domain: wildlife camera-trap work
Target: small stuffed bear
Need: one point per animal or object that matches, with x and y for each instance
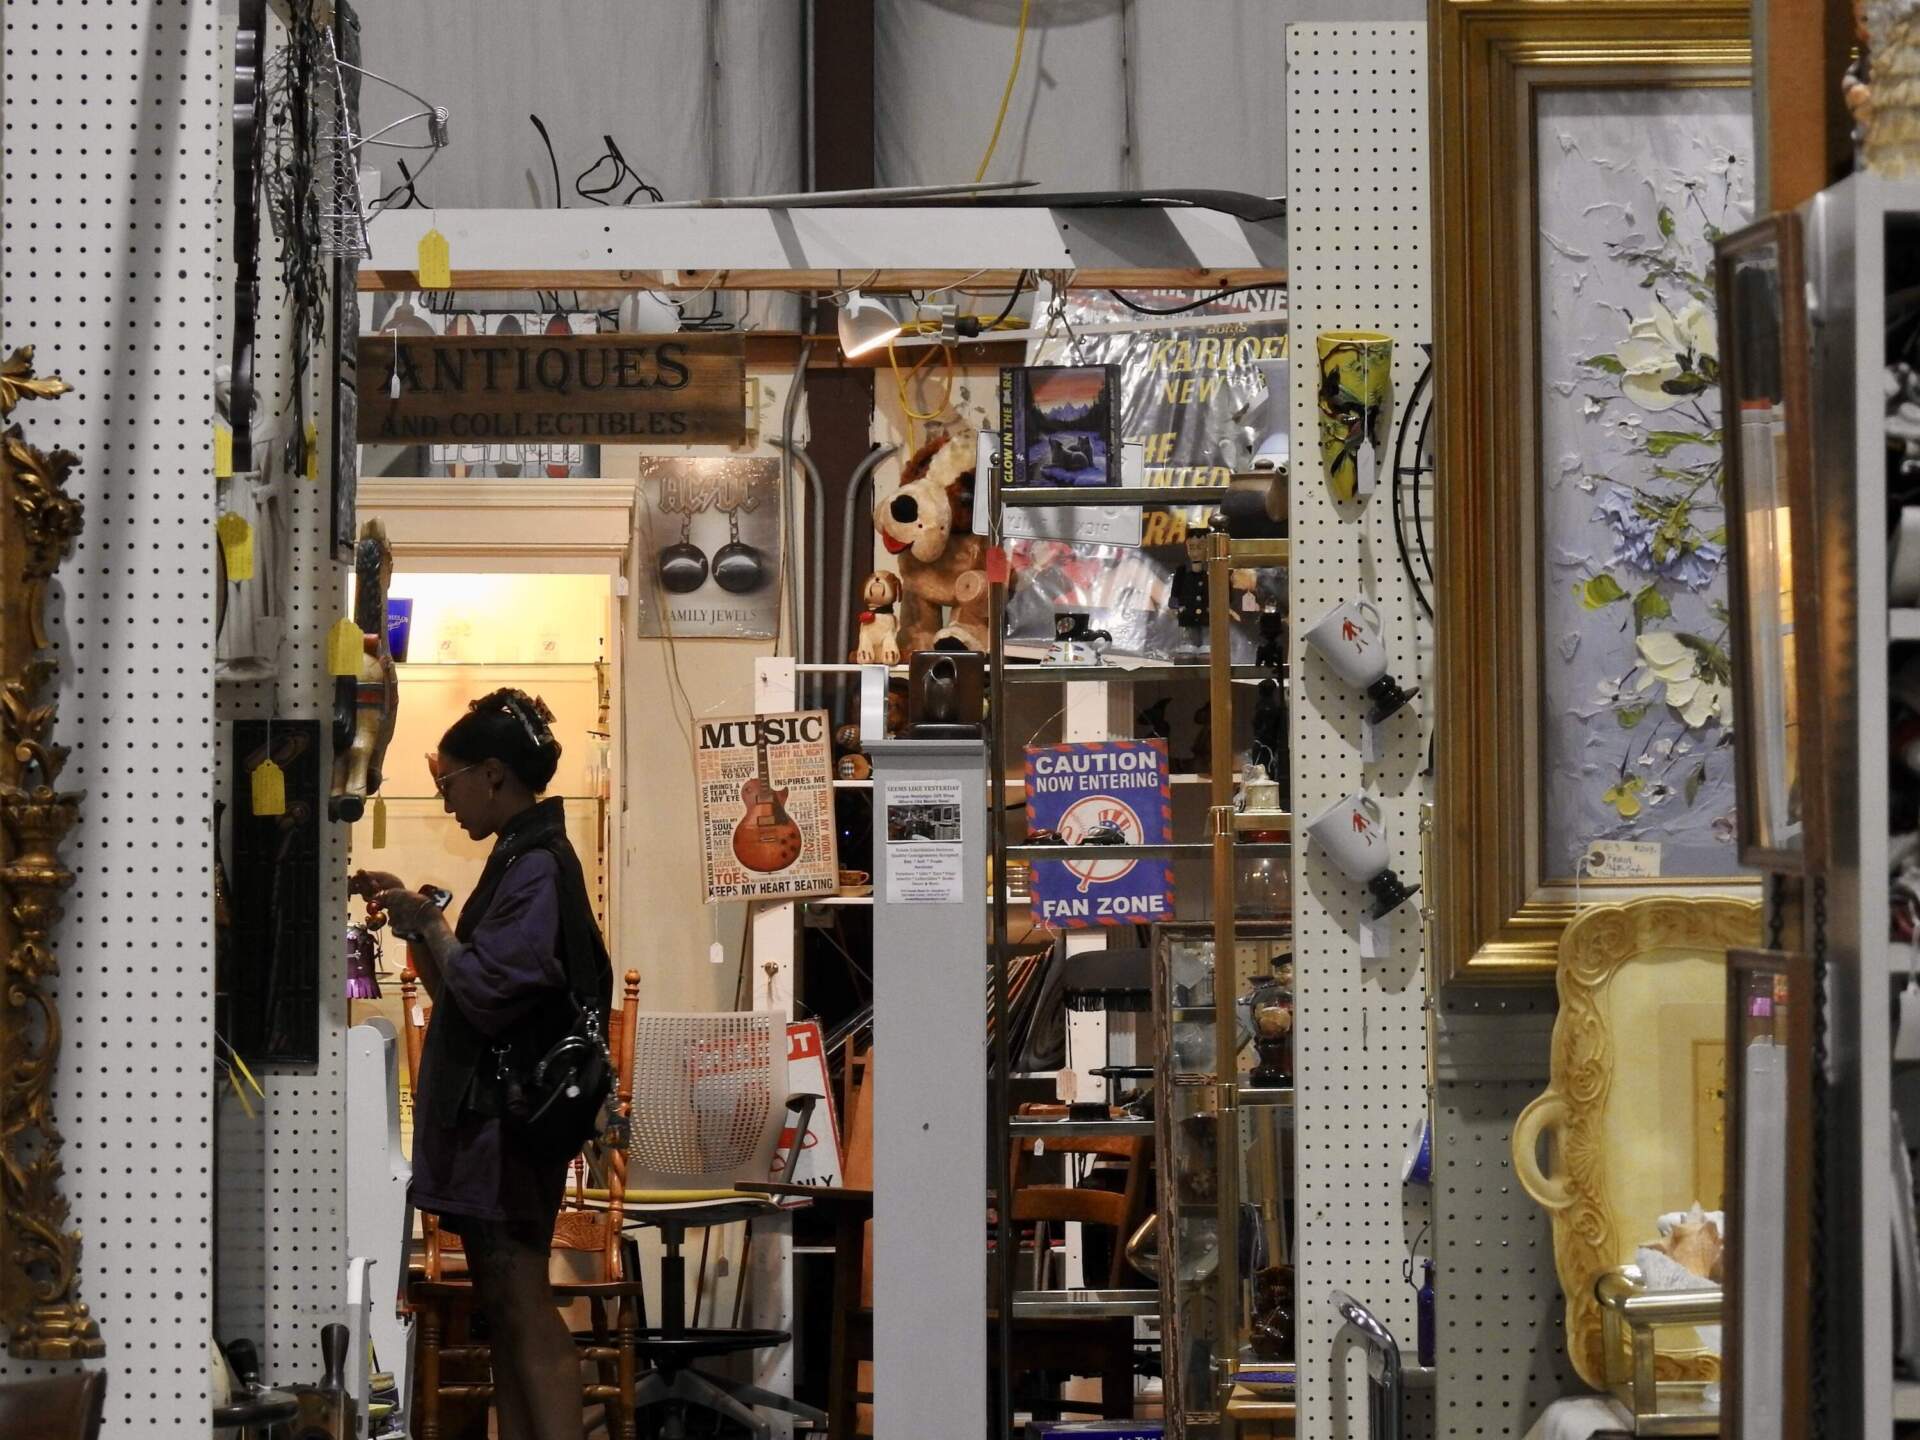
(966, 629)
(926, 523)
(879, 642)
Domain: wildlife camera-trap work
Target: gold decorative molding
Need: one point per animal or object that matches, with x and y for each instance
(39, 1256)
(1498, 906)
(1590, 1236)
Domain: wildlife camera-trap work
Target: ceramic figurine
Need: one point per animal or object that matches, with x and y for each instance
(1356, 407)
(365, 706)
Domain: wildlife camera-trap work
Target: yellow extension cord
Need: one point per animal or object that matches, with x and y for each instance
(1006, 95)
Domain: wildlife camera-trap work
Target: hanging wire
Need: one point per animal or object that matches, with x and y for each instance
(622, 173)
(559, 199)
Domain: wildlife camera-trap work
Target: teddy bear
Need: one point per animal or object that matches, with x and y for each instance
(879, 642)
(926, 523)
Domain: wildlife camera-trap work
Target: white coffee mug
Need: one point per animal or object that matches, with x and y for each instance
(1349, 636)
(1354, 832)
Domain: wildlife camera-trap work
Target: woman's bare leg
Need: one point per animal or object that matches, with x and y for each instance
(536, 1368)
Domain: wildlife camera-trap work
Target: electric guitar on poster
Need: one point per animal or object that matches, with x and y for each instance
(766, 839)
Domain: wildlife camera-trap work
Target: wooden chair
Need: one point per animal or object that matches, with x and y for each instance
(57, 1407)
(1095, 1345)
(440, 1291)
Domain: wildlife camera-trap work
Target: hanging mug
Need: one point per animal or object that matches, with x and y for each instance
(1353, 832)
(1350, 636)
(1356, 391)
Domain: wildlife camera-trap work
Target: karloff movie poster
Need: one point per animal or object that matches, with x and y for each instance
(710, 545)
(766, 806)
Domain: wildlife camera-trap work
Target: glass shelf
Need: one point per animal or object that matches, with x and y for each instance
(498, 664)
(435, 799)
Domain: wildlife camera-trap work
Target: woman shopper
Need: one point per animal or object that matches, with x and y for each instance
(504, 981)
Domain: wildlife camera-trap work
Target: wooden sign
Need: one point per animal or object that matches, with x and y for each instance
(525, 389)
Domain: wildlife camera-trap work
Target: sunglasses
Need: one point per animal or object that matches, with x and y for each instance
(441, 781)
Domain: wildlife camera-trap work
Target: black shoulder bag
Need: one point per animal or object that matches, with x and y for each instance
(554, 1099)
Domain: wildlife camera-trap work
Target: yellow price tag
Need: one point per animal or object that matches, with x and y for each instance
(379, 823)
(268, 789)
(344, 648)
(313, 451)
(436, 266)
(236, 545)
(222, 451)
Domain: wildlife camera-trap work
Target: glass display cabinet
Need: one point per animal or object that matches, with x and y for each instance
(1226, 1308)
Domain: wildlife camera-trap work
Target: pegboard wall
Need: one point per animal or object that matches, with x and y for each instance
(281, 1170)
(112, 261)
(1357, 250)
(1502, 1334)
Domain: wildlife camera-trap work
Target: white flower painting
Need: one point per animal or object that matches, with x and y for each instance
(1634, 187)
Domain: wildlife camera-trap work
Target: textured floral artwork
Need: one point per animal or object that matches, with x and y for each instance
(1637, 709)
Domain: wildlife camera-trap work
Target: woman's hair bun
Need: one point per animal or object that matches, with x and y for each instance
(512, 727)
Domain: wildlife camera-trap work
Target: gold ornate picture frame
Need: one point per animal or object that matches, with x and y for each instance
(40, 1306)
(1609, 1113)
(1583, 697)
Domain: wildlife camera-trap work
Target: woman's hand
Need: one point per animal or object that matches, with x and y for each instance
(409, 912)
(368, 884)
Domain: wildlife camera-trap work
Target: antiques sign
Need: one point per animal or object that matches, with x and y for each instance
(537, 389)
(766, 807)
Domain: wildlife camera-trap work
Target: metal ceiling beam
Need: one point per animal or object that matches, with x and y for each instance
(886, 248)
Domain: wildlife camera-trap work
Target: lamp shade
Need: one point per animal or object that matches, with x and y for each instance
(646, 312)
(865, 324)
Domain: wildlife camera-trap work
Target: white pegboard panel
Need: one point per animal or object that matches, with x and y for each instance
(281, 1171)
(1357, 238)
(112, 258)
(1502, 1352)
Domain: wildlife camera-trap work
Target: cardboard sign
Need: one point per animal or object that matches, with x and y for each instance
(537, 389)
(1117, 785)
(820, 1155)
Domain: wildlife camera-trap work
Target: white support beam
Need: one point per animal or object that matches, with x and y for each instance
(781, 248)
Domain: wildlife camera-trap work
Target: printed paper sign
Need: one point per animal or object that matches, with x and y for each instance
(1117, 787)
(766, 807)
(923, 842)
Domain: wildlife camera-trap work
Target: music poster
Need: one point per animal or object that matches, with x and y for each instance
(766, 806)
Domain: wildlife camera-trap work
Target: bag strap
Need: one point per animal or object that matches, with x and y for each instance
(589, 968)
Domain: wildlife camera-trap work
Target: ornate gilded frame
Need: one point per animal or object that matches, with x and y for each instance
(1589, 1238)
(39, 1256)
(1497, 917)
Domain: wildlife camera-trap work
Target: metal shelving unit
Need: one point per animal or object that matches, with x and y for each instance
(1222, 846)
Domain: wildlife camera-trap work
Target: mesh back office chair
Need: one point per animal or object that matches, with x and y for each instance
(710, 1104)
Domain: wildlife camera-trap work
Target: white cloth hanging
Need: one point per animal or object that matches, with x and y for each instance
(254, 626)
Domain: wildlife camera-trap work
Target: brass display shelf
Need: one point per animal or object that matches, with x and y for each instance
(1114, 674)
(1062, 1304)
(1171, 850)
(1281, 1095)
(1067, 1126)
(499, 664)
(1028, 497)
